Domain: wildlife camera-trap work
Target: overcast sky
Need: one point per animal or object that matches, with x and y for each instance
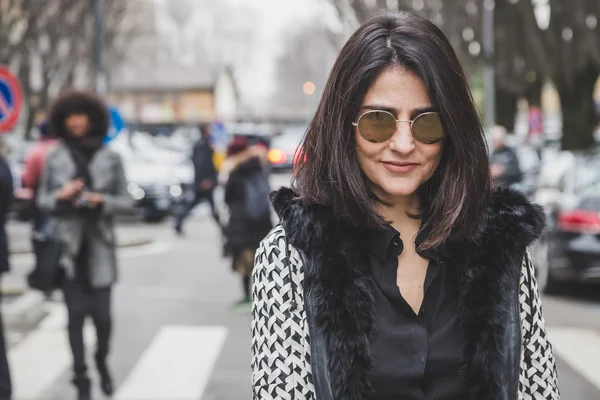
(269, 22)
(277, 18)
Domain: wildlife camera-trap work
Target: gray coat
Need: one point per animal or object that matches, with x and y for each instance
(106, 170)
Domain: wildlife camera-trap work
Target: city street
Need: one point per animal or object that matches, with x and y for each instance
(178, 337)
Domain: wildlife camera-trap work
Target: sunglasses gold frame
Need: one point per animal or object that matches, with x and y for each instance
(411, 122)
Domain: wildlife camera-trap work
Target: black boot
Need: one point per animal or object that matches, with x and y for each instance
(106, 382)
(83, 385)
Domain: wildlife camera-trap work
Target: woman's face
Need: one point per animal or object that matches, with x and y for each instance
(396, 168)
(77, 125)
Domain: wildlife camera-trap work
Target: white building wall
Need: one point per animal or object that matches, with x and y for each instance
(226, 100)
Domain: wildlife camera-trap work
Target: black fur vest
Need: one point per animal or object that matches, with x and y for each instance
(340, 305)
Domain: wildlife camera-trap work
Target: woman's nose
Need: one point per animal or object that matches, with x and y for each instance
(402, 141)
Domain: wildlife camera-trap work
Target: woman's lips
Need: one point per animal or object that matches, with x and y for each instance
(399, 167)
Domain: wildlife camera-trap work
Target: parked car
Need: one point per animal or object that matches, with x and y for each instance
(154, 188)
(569, 249)
(530, 165)
(156, 181)
(284, 151)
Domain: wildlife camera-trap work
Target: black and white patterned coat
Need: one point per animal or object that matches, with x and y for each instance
(313, 307)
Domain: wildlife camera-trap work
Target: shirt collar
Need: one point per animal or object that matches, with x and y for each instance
(387, 244)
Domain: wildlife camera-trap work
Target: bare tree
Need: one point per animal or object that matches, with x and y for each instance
(47, 42)
(13, 24)
(308, 57)
(527, 53)
(568, 53)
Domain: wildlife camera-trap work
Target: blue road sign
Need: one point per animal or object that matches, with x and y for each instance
(117, 123)
(219, 135)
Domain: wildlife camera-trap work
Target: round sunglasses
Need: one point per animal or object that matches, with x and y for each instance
(378, 126)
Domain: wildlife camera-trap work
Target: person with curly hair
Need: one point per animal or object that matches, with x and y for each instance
(83, 186)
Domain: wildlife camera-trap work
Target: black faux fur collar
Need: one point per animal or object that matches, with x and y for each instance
(338, 282)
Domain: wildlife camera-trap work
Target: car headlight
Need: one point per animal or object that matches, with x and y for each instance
(136, 192)
(132, 187)
(176, 190)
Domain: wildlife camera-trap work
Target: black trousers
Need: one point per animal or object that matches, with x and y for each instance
(5, 381)
(188, 206)
(81, 301)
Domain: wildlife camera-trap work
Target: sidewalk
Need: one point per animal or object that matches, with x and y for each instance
(128, 235)
(21, 305)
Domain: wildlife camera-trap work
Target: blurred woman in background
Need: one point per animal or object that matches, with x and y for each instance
(247, 198)
(83, 186)
(6, 200)
(30, 179)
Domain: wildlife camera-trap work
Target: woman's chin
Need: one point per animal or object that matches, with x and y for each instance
(400, 191)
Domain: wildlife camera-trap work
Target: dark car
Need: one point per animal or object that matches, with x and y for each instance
(569, 250)
(154, 201)
(529, 163)
(284, 151)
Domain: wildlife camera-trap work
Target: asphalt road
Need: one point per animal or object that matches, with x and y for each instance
(177, 335)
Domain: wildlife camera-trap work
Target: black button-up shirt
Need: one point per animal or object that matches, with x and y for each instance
(416, 357)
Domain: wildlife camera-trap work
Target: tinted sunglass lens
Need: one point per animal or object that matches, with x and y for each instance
(428, 128)
(377, 126)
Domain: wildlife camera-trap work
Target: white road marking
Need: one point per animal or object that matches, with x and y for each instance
(44, 355)
(177, 365)
(580, 348)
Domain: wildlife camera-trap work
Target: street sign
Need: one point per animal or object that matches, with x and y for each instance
(117, 123)
(11, 100)
(219, 136)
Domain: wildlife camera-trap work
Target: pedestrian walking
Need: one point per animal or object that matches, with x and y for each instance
(30, 179)
(247, 198)
(6, 197)
(505, 166)
(205, 180)
(83, 186)
(397, 272)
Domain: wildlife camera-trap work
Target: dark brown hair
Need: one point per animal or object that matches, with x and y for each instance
(237, 145)
(454, 199)
(70, 102)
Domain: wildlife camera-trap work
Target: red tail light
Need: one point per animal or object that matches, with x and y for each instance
(277, 156)
(581, 221)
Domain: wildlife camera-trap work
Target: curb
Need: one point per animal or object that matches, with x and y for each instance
(26, 308)
(125, 244)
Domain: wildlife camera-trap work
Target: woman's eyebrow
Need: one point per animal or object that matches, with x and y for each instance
(379, 107)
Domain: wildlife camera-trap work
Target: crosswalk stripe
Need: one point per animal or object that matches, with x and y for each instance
(177, 365)
(43, 356)
(580, 348)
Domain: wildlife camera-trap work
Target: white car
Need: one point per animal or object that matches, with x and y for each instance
(157, 181)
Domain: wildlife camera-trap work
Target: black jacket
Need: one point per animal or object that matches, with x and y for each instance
(6, 198)
(512, 171)
(314, 306)
(204, 167)
(240, 232)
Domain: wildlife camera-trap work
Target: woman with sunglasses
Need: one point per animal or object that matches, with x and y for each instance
(396, 272)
